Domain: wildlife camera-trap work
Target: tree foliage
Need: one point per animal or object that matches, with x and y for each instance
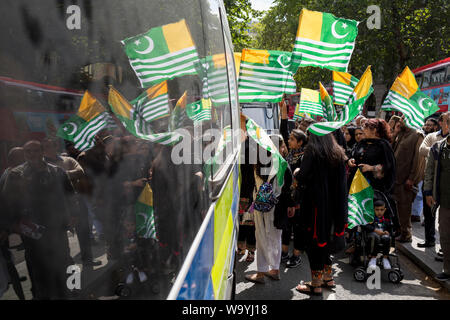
(240, 14)
(413, 33)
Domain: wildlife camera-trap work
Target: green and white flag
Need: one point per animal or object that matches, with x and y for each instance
(153, 103)
(82, 127)
(343, 85)
(212, 70)
(310, 102)
(199, 110)
(265, 75)
(262, 138)
(405, 96)
(145, 218)
(360, 202)
(131, 120)
(324, 41)
(327, 103)
(351, 109)
(162, 53)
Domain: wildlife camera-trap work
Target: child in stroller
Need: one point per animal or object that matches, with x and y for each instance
(374, 238)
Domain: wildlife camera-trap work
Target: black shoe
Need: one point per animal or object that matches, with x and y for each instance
(426, 244)
(440, 259)
(284, 257)
(440, 253)
(415, 219)
(442, 276)
(294, 261)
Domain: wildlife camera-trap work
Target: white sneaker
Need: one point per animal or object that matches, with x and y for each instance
(372, 264)
(386, 264)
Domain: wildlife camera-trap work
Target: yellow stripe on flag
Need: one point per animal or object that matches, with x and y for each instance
(405, 84)
(219, 61)
(181, 103)
(309, 95)
(89, 107)
(146, 196)
(237, 63)
(359, 183)
(364, 85)
(323, 91)
(119, 104)
(255, 56)
(157, 90)
(343, 77)
(310, 25)
(177, 36)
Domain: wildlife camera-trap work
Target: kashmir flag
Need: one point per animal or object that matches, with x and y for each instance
(82, 127)
(343, 85)
(351, 109)
(162, 53)
(299, 115)
(132, 121)
(153, 103)
(145, 217)
(327, 103)
(360, 202)
(324, 41)
(199, 110)
(406, 97)
(310, 102)
(265, 75)
(262, 138)
(178, 115)
(213, 72)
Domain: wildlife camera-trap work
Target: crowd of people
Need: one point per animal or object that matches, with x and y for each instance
(47, 196)
(409, 167)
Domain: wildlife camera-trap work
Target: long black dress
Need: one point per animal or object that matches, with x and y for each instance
(323, 204)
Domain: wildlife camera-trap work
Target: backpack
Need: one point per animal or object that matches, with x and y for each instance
(265, 198)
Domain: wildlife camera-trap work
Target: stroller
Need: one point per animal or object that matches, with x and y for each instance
(359, 259)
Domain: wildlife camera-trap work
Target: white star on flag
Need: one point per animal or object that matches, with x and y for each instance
(344, 25)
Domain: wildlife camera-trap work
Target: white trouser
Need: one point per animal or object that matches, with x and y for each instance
(268, 242)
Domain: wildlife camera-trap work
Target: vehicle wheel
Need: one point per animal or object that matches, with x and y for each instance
(360, 274)
(123, 290)
(395, 276)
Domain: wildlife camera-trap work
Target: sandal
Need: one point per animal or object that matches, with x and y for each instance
(273, 276)
(328, 285)
(308, 288)
(241, 252)
(250, 256)
(255, 278)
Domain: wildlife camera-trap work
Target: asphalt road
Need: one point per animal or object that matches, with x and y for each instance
(416, 285)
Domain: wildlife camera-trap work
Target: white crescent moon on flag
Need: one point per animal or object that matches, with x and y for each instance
(150, 47)
(279, 61)
(335, 34)
(421, 104)
(363, 203)
(74, 128)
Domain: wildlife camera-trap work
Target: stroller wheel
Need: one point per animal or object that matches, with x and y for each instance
(123, 290)
(395, 276)
(360, 274)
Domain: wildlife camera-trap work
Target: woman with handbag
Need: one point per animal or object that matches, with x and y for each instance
(270, 207)
(323, 202)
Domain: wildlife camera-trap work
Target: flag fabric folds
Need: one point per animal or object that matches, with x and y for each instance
(406, 97)
(162, 53)
(153, 103)
(360, 202)
(213, 72)
(324, 41)
(131, 120)
(351, 109)
(82, 127)
(327, 103)
(145, 218)
(199, 110)
(265, 75)
(262, 138)
(310, 102)
(178, 115)
(343, 85)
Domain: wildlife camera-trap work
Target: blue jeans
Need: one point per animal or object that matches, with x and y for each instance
(417, 205)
